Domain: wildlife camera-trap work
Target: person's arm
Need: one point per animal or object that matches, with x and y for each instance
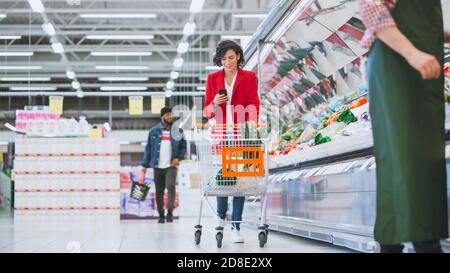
(181, 151)
(379, 23)
(209, 100)
(447, 35)
(376, 16)
(254, 98)
(147, 158)
(426, 64)
(212, 102)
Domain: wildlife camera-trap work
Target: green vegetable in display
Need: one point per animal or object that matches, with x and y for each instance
(284, 129)
(320, 139)
(297, 133)
(287, 137)
(323, 123)
(347, 116)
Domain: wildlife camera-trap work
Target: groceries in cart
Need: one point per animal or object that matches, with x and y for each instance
(225, 181)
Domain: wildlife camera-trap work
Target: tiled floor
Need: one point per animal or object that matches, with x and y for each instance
(141, 236)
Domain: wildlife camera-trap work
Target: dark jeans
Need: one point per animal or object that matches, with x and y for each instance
(419, 247)
(238, 208)
(165, 178)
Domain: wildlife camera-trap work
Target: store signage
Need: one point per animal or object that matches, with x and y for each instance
(56, 104)
(157, 104)
(136, 105)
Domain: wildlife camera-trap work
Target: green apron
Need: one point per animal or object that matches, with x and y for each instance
(408, 128)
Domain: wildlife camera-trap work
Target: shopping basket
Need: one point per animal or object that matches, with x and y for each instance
(139, 191)
(232, 162)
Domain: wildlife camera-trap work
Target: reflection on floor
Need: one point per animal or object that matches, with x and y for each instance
(142, 236)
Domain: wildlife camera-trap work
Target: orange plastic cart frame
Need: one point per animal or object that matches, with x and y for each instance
(232, 159)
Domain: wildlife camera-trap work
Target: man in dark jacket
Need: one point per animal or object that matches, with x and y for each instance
(165, 148)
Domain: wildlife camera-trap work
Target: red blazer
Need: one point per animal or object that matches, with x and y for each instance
(245, 96)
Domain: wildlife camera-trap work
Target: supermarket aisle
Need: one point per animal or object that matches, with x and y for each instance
(141, 236)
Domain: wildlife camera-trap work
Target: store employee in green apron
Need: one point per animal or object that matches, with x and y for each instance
(406, 89)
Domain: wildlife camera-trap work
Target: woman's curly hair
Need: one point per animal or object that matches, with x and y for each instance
(223, 47)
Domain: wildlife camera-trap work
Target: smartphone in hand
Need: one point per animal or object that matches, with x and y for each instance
(223, 92)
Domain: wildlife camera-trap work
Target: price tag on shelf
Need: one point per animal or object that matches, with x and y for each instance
(56, 104)
(158, 103)
(95, 133)
(136, 105)
(1, 157)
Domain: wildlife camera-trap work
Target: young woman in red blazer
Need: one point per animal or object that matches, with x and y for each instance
(240, 104)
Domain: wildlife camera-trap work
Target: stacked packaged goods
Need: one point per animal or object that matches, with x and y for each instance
(66, 177)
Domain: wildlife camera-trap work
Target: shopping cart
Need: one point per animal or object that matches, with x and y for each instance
(232, 162)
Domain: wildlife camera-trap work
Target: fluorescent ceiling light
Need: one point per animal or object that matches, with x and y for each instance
(48, 29)
(25, 79)
(118, 15)
(170, 85)
(223, 37)
(189, 28)
(183, 47)
(76, 85)
(119, 37)
(121, 67)
(2, 16)
(32, 88)
(123, 88)
(213, 67)
(70, 74)
(20, 67)
(196, 5)
(10, 37)
(57, 47)
(123, 53)
(250, 15)
(178, 62)
(174, 75)
(36, 5)
(110, 79)
(16, 54)
(201, 88)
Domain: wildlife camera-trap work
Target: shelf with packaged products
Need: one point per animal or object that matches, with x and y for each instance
(66, 176)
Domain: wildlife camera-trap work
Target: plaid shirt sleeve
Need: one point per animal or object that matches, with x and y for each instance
(376, 16)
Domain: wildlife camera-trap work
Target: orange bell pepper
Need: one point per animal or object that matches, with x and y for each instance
(361, 101)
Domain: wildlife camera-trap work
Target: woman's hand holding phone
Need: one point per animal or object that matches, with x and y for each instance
(220, 98)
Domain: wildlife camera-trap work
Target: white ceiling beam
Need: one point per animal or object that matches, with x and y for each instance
(89, 48)
(142, 10)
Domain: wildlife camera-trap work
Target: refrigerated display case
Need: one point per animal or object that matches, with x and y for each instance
(322, 182)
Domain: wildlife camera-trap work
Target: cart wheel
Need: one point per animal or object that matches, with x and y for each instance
(219, 237)
(262, 236)
(198, 235)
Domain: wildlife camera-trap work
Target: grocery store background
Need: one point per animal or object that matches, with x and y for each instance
(109, 66)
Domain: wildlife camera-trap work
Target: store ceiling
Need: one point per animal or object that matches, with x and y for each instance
(80, 27)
